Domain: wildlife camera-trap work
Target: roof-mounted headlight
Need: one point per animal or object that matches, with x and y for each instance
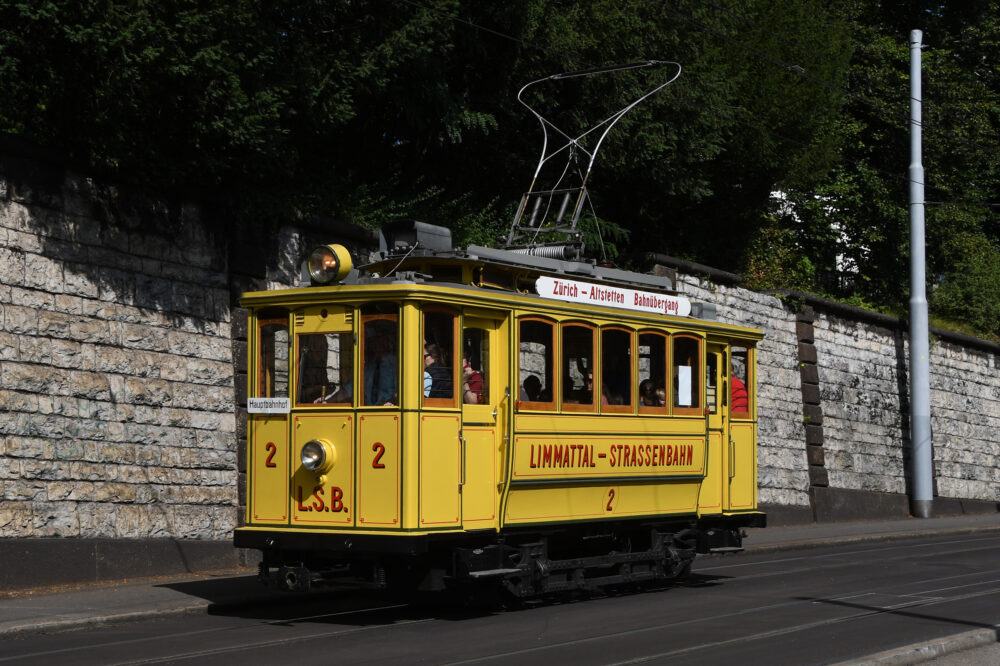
(328, 263)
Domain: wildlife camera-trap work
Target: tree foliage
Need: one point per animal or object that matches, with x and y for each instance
(863, 200)
(374, 110)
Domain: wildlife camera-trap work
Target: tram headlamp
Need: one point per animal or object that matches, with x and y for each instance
(318, 455)
(328, 263)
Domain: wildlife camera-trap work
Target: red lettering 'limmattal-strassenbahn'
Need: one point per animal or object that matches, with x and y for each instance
(557, 456)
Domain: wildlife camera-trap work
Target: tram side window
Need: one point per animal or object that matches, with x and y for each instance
(380, 355)
(712, 393)
(577, 367)
(326, 368)
(535, 364)
(272, 365)
(739, 382)
(652, 372)
(687, 370)
(439, 358)
(616, 369)
(475, 366)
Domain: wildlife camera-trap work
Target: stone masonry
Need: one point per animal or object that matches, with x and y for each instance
(116, 365)
(858, 388)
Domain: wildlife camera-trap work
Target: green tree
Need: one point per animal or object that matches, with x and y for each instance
(353, 108)
(854, 224)
(375, 110)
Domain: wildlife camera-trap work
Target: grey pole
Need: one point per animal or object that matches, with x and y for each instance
(921, 502)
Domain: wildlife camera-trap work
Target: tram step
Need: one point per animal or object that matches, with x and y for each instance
(490, 573)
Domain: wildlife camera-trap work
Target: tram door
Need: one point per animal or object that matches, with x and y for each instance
(485, 404)
(742, 428)
(730, 428)
(713, 492)
(268, 406)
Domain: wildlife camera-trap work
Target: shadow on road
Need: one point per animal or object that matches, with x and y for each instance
(245, 597)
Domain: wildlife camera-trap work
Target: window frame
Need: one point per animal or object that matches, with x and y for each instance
(538, 405)
(667, 355)
(486, 370)
(694, 410)
(630, 407)
(749, 381)
(456, 379)
(298, 368)
(590, 407)
(361, 359)
(259, 381)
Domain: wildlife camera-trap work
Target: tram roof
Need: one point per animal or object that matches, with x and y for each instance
(407, 244)
(414, 260)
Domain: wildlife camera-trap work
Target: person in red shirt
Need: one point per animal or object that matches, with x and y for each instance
(472, 390)
(739, 399)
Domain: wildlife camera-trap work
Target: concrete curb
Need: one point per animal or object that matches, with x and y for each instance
(71, 622)
(815, 542)
(922, 652)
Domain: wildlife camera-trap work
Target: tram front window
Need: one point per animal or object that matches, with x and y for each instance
(272, 372)
(326, 363)
(380, 355)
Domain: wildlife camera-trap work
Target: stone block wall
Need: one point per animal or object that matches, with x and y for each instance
(965, 420)
(865, 392)
(834, 406)
(116, 365)
(863, 388)
(782, 475)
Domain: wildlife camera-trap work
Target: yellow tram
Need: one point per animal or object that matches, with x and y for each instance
(482, 416)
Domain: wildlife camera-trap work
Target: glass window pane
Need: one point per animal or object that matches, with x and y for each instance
(380, 362)
(687, 370)
(616, 367)
(475, 366)
(272, 379)
(739, 381)
(439, 359)
(535, 360)
(578, 365)
(712, 394)
(326, 368)
(652, 370)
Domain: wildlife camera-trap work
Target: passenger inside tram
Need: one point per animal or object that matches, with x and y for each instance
(440, 375)
(472, 387)
(381, 367)
(531, 390)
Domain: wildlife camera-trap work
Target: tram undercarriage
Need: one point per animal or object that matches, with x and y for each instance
(521, 564)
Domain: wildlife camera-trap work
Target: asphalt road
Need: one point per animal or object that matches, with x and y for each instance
(820, 605)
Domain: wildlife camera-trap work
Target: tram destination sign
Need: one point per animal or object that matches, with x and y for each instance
(269, 405)
(615, 297)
